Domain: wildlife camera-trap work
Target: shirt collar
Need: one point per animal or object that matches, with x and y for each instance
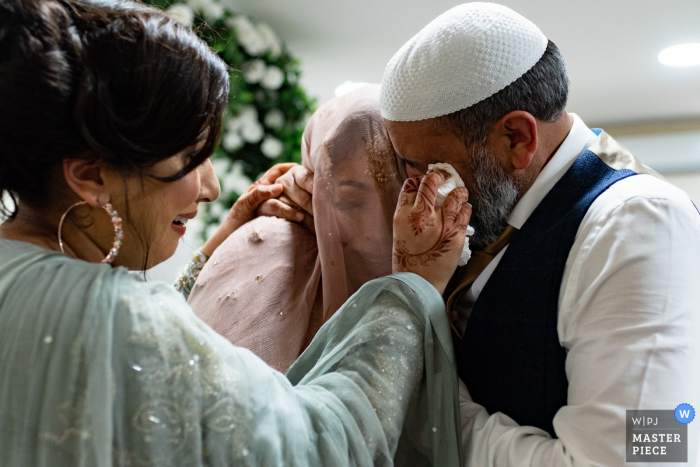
(578, 140)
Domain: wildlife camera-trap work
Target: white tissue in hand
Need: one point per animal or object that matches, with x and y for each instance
(466, 252)
(450, 184)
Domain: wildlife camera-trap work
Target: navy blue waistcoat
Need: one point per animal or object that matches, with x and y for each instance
(510, 358)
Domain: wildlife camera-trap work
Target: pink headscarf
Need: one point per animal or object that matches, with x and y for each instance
(272, 284)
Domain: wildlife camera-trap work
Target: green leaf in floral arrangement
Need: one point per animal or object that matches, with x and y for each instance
(219, 46)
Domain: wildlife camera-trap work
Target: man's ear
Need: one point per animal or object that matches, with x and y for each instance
(516, 138)
(85, 178)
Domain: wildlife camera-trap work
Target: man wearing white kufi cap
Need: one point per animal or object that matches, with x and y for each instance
(582, 301)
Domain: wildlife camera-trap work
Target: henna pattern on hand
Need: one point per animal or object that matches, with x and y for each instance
(244, 208)
(411, 186)
(422, 219)
(405, 260)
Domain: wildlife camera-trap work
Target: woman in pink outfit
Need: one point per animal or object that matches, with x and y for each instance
(273, 283)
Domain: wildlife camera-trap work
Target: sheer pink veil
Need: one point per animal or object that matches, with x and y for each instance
(272, 284)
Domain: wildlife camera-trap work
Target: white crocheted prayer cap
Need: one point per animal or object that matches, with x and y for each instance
(462, 57)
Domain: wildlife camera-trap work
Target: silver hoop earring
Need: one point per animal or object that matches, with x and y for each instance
(116, 222)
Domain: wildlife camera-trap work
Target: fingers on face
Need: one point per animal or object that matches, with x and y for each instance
(276, 208)
(270, 191)
(296, 193)
(254, 198)
(409, 192)
(465, 215)
(260, 193)
(303, 199)
(304, 178)
(299, 193)
(286, 179)
(275, 172)
(427, 191)
(453, 208)
(278, 170)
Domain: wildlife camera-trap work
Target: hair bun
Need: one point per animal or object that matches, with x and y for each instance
(115, 80)
(37, 82)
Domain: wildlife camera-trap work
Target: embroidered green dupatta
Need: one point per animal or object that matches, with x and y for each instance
(98, 368)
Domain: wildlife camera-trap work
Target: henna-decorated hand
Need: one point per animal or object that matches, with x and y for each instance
(245, 207)
(295, 204)
(428, 241)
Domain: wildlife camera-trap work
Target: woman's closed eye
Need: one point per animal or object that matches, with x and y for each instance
(347, 204)
(350, 194)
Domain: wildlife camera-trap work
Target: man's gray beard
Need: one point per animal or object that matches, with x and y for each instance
(492, 199)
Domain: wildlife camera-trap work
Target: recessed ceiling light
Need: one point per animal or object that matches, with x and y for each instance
(681, 55)
(346, 87)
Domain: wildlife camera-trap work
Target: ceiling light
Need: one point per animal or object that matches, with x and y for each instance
(681, 55)
(346, 87)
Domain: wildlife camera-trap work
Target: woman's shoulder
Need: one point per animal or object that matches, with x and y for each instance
(23, 263)
(27, 268)
(110, 302)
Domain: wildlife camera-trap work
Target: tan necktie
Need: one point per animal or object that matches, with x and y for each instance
(476, 265)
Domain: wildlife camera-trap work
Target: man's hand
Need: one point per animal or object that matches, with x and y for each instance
(428, 241)
(295, 204)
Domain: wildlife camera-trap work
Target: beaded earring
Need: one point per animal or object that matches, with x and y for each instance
(116, 222)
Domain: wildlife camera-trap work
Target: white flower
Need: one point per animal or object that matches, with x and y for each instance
(248, 114)
(216, 209)
(252, 131)
(244, 127)
(211, 9)
(270, 38)
(214, 11)
(234, 124)
(271, 147)
(273, 79)
(236, 181)
(292, 78)
(220, 166)
(254, 71)
(274, 119)
(232, 141)
(248, 35)
(240, 24)
(181, 13)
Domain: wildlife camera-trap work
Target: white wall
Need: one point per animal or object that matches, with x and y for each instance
(667, 153)
(688, 182)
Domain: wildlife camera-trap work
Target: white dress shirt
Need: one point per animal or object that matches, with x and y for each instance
(629, 319)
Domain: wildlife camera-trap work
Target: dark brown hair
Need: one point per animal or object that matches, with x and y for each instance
(101, 79)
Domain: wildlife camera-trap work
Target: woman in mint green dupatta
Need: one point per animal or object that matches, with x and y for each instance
(98, 368)
(112, 105)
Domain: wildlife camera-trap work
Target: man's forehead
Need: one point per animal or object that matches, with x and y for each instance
(417, 140)
(409, 138)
